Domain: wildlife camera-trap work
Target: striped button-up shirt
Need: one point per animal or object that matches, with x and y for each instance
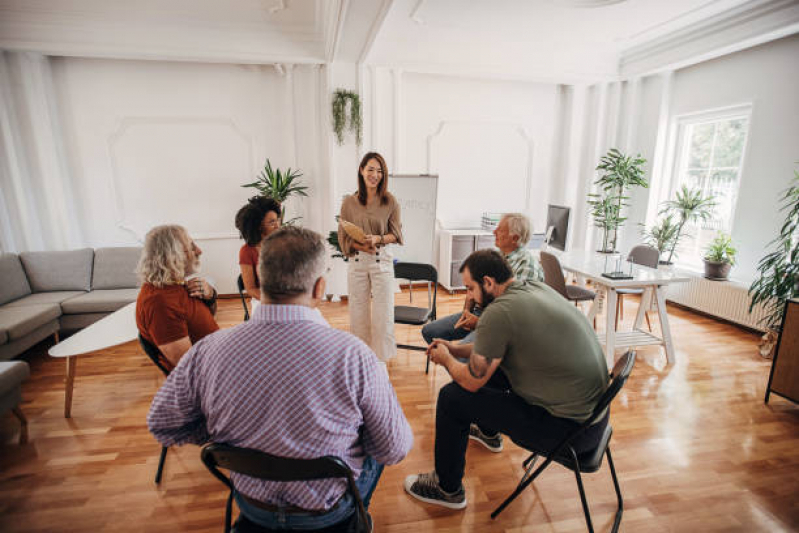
(288, 384)
(525, 267)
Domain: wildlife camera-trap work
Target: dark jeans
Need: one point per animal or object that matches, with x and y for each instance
(495, 408)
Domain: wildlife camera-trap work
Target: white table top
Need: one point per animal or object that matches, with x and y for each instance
(117, 328)
(591, 265)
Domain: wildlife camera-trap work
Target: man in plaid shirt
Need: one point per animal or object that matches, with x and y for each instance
(288, 384)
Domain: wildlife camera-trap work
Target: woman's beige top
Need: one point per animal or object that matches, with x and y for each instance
(373, 218)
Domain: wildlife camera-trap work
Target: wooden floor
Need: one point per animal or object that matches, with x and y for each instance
(695, 447)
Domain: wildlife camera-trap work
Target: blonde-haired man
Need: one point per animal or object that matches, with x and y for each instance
(173, 312)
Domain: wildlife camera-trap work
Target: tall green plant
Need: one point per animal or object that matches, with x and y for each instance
(689, 205)
(779, 269)
(662, 234)
(619, 174)
(279, 185)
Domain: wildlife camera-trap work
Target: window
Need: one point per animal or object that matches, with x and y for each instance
(710, 150)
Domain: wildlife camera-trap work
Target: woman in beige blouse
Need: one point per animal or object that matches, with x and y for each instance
(370, 271)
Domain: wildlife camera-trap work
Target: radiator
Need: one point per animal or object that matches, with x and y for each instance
(724, 299)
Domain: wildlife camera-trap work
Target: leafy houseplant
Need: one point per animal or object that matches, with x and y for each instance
(689, 205)
(279, 185)
(662, 234)
(619, 174)
(332, 240)
(719, 257)
(779, 269)
(339, 107)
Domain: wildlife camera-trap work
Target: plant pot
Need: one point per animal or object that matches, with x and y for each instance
(717, 271)
(665, 263)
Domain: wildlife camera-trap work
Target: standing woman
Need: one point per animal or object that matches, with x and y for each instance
(370, 270)
(255, 221)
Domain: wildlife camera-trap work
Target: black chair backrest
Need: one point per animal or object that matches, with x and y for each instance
(262, 465)
(240, 283)
(153, 353)
(553, 273)
(420, 272)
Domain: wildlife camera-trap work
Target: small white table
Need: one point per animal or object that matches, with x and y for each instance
(591, 265)
(117, 328)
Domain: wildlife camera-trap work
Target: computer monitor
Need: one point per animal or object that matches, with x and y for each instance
(557, 228)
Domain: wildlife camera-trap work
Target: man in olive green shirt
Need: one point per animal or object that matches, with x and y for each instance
(534, 373)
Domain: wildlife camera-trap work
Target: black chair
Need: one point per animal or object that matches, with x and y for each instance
(240, 283)
(553, 276)
(262, 465)
(589, 461)
(416, 316)
(644, 255)
(154, 353)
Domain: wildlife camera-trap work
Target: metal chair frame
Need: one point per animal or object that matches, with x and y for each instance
(240, 284)
(153, 352)
(418, 272)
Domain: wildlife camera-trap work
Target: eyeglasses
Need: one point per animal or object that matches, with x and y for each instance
(273, 224)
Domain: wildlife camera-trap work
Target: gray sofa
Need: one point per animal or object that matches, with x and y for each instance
(43, 293)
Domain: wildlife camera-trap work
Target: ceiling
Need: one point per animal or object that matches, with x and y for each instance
(556, 40)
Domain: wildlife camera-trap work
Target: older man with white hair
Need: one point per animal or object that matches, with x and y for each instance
(511, 237)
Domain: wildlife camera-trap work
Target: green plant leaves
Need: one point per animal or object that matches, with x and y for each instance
(279, 185)
(339, 110)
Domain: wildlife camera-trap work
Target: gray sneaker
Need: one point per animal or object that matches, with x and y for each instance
(425, 487)
(492, 442)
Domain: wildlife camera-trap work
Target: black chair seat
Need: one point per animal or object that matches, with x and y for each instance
(591, 460)
(579, 294)
(415, 316)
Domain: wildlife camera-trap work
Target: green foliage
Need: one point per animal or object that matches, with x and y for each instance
(721, 250)
(332, 240)
(689, 205)
(662, 234)
(279, 185)
(779, 269)
(619, 174)
(339, 107)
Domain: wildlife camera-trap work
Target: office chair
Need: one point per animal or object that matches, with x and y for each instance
(586, 462)
(644, 255)
(416, 316)
(154, 354)
(262, 465)
(240, 283)
(553, 276)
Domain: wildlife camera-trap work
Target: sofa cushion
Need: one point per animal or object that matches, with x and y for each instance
(15, 284)
(115, 268)
(59, 271)
(39, 298)
(100, 301)
(19, 321)
(12, 373)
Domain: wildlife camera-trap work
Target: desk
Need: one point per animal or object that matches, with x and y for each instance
(117, 328)
(591, 265)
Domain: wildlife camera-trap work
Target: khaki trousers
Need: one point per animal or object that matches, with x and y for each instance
(370, 286)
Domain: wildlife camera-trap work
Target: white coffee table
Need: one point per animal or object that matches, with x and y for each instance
(117, 328)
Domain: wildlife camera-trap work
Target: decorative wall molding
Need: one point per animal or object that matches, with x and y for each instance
(374, 29)
(114, 180)
(749, 24)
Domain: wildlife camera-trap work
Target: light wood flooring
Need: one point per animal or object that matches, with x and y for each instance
(695, 447)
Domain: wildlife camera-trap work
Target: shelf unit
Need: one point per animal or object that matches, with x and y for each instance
(455, 245)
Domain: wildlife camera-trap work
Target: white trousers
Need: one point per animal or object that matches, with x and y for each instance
(370, 288)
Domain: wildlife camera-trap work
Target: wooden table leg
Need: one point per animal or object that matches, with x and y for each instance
(610, 323)
(23, 430)
(71, 362)
(664, 324)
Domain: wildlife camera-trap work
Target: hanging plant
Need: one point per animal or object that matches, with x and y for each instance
(340, 99)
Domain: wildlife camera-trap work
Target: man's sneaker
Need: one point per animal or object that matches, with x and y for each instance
(425, 487)
(492, 442)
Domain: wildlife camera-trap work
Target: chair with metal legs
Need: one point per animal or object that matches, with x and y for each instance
(553, 276)
(585, 462)
(240, 284)
(417, 316)
(643, 255)
(154, 354)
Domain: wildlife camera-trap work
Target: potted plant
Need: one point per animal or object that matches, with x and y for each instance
(279, 185)
(779, 269)
(619, 174)
(661, 235)
(719, 257)
(689, 205)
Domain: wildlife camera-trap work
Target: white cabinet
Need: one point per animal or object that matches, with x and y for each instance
(454, 246)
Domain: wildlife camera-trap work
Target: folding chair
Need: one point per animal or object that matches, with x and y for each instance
(154, 353)
(240, 283)
(416, 316)
(255, 463)
(588, 461)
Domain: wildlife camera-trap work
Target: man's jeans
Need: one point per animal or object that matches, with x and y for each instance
(444, 328)
(310, 522)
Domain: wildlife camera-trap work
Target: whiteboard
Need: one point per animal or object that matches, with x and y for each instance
(417, 195)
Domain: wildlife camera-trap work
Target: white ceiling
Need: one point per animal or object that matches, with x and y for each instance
(555, 40)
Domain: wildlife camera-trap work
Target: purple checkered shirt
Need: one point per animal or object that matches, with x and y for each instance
(288, 384)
